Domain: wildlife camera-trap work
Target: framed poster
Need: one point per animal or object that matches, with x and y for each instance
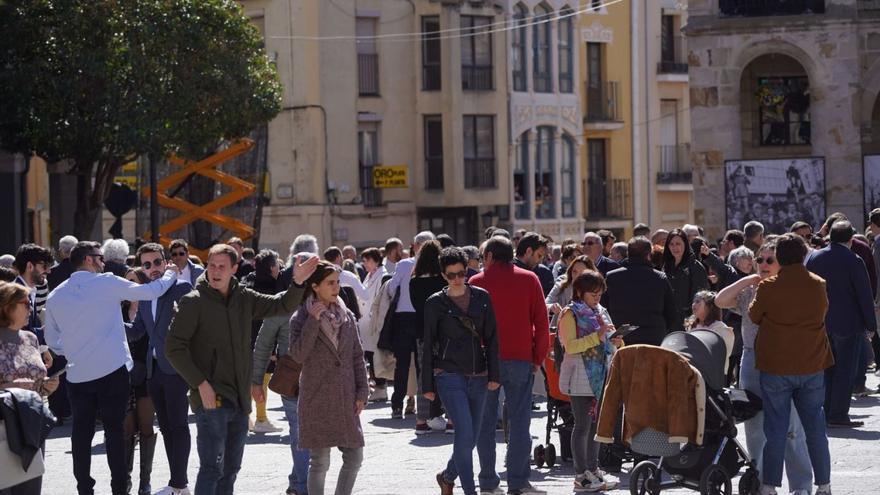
(871, 179)
(776, 192)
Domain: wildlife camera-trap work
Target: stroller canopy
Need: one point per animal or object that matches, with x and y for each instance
(705, 350)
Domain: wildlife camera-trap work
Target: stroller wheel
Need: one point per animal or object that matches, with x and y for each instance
(715, 480)
(538, 455)
(550, 455)
(749, 484)
(644, 479)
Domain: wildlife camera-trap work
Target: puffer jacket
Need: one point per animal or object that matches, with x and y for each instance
(448, 343)
(658, 389)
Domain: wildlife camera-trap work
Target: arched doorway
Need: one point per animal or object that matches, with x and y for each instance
(775, 107)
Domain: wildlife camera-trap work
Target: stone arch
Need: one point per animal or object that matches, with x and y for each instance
(749, 52)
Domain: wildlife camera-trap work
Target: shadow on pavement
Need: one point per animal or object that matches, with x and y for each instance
(266, 439)
(853, 433)
(393, 424)
(431, 440)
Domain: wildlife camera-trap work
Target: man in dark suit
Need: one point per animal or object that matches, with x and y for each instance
(592, 247)
(850, 314)
(189, 271)
(639, 295)
(61, 271)
(167, 389)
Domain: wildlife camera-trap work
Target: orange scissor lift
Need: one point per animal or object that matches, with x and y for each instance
(209, 212)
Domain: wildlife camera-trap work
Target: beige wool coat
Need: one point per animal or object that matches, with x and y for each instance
(331, 381)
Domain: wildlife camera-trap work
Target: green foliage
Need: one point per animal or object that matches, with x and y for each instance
(98, 82)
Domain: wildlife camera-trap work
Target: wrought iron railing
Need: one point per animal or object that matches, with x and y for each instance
(609, 198)
(675, 164)
(603, 102)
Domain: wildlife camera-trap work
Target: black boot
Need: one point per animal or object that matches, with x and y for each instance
(148, 448)
(130, 442)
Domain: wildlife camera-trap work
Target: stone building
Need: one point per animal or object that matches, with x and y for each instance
(790, 82)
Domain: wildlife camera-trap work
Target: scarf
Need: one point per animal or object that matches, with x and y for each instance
(331, 320)
(588, 322)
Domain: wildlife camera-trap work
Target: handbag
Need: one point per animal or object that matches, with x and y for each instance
(285, 379)
(11, 471)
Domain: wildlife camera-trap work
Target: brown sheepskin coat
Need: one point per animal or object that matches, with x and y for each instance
(330, 383)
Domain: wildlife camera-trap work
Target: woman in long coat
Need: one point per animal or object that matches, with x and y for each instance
(333, 384)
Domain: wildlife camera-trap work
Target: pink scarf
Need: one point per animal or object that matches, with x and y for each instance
(331, 320)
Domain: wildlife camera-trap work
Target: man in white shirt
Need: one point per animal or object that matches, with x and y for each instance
(84, 324)
(393, 254)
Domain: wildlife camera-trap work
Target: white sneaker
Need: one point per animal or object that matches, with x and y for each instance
(169, 490)
(588, 482)
(611, 482)
(824, 490)
(437, 424)
(265, 427)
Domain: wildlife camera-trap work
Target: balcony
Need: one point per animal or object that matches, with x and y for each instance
(609, 198)
(368, 74)
(479, 173)
(370, 196)
(603, 106)
(675, 166)
(476, 77)
(761, 8)
(673, 66)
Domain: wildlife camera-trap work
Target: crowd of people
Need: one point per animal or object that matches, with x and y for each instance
(460, 332)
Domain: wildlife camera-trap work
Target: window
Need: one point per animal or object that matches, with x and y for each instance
(433, 152)
(476, 53)
(667, 39)
(544, 183)
(784, 110)
(567, 185)
(521, 179)
(519, 49)
(566, 38)
(368, 158)
(368, 59)
(479, 151)
(541, 64)
(431, 53)
(597, 178)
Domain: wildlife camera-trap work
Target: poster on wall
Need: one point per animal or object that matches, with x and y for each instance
(776, 192)
(871, 174)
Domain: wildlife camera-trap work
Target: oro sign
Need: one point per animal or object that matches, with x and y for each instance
(389, 176)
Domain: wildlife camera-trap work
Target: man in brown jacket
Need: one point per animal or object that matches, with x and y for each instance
(792, 353)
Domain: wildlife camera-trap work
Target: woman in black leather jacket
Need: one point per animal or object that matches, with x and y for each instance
(685, 273)
(460, 361)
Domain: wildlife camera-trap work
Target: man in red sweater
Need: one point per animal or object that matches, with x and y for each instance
(523, 343)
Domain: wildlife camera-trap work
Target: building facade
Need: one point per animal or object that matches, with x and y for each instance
(359, 95)
(606, 81)
(784, 112)
(662, 173)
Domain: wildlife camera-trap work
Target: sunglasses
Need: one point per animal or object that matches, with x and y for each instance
(148, 264)
(769, 260)
(455, 275)
(178, 253)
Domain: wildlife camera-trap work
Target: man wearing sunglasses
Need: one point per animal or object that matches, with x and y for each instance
(592, 247)
(189, 271)
(167, 389)
(84, 324)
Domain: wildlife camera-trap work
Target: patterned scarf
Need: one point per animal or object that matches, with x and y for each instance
(588, 323)
(331, 319)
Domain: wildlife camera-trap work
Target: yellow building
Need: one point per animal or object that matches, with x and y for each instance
(606, 82)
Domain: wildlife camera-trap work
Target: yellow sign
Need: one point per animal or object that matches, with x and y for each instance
(391, 176)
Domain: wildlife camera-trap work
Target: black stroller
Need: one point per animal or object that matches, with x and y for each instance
(710, 467)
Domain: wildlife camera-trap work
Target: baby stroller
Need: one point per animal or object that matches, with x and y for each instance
(710, 467)
(559, 415)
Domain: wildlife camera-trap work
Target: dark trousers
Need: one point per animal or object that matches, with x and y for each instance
(865, 355)
(109, 394)
(380, 382)
(172, 410)
(839, 378)
(403, 345)
(59, 403)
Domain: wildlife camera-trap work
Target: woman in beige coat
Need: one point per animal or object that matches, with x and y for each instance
(333, 384)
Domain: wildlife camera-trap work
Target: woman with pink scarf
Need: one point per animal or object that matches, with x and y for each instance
(333, 383)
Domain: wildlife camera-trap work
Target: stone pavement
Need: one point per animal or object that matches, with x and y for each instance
(399, 463)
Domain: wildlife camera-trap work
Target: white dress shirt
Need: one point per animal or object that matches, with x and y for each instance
(402, 274)
(84, 321)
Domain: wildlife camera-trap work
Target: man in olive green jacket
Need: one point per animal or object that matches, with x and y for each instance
(209, 346)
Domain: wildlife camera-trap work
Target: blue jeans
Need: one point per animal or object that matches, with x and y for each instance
(220, 438)
(464, 398)
(839, 379)
(797, 459)
(516, 379)
(300, 472)
(808, 393)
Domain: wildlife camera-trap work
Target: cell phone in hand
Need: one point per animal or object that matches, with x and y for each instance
(623, 331)
(58, 373)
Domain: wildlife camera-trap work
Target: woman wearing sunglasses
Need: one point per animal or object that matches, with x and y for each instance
(460, 362)
(737, 297)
